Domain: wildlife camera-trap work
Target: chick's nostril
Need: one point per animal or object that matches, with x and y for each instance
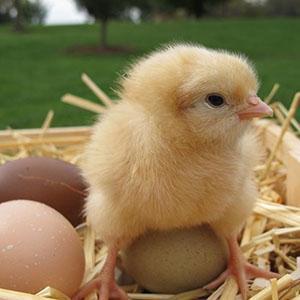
(261, 109)
(253, 100)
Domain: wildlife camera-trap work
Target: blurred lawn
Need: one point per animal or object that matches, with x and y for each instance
(36, 70)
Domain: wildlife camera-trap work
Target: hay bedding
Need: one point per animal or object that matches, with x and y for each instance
(271, 236)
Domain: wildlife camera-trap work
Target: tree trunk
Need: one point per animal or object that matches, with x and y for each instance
(103, 34)
(198, 8)
(19, 26)
(223, 8)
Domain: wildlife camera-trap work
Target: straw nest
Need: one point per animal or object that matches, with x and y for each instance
(270, 238)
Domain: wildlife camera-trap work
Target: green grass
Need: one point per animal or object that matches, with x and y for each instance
(36, 70)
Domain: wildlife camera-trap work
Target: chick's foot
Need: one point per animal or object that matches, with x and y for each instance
(240, 269)
(104, 284)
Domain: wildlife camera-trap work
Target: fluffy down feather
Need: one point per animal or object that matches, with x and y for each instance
(163, 157)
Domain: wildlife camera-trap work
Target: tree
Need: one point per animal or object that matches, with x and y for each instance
(19, 23)
(289, 8)
(21, 12)
(5, 7)
(33, 12)
(28, 12)
(103, 11)
(196, 8)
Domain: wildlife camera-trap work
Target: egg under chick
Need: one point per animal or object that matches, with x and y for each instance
(177, 151)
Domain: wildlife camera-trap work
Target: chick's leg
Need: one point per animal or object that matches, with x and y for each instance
(105, 282)
(240, 269)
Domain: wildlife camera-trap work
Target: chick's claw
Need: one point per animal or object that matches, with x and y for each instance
(105, 290)
(247, 271)
(104, 284)
(240, 269)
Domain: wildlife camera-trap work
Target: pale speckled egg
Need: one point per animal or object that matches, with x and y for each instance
(175, 261)
(38, 248)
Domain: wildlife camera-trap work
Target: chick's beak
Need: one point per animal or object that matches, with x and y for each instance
(256, 109)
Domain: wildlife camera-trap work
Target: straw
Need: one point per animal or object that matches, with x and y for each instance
(270, 238)
(14, 295)
(272, 93)
(96, 90)
(83, 103)
(290, 115)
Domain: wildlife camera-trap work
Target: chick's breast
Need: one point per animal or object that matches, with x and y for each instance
(140, 180)
(108, 166)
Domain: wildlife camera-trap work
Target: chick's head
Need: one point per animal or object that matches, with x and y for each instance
(212, 93)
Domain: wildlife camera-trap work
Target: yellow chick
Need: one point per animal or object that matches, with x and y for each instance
(177, 151)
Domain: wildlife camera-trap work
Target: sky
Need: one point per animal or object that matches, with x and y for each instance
(64, 12)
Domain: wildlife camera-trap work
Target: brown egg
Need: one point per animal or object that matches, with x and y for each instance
(38, 248)
(47, 180)
(175, 261)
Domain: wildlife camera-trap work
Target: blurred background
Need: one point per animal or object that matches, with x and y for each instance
(45, 46)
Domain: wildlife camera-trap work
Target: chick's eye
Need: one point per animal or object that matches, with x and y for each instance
(215, 100)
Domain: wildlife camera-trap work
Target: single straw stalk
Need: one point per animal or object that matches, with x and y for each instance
(285, 112)
(230, 289)
(96, 90)
(278, 113)
(47, 123)
(13, 295)
(83, 103)
(274, 289)
(272, 93)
